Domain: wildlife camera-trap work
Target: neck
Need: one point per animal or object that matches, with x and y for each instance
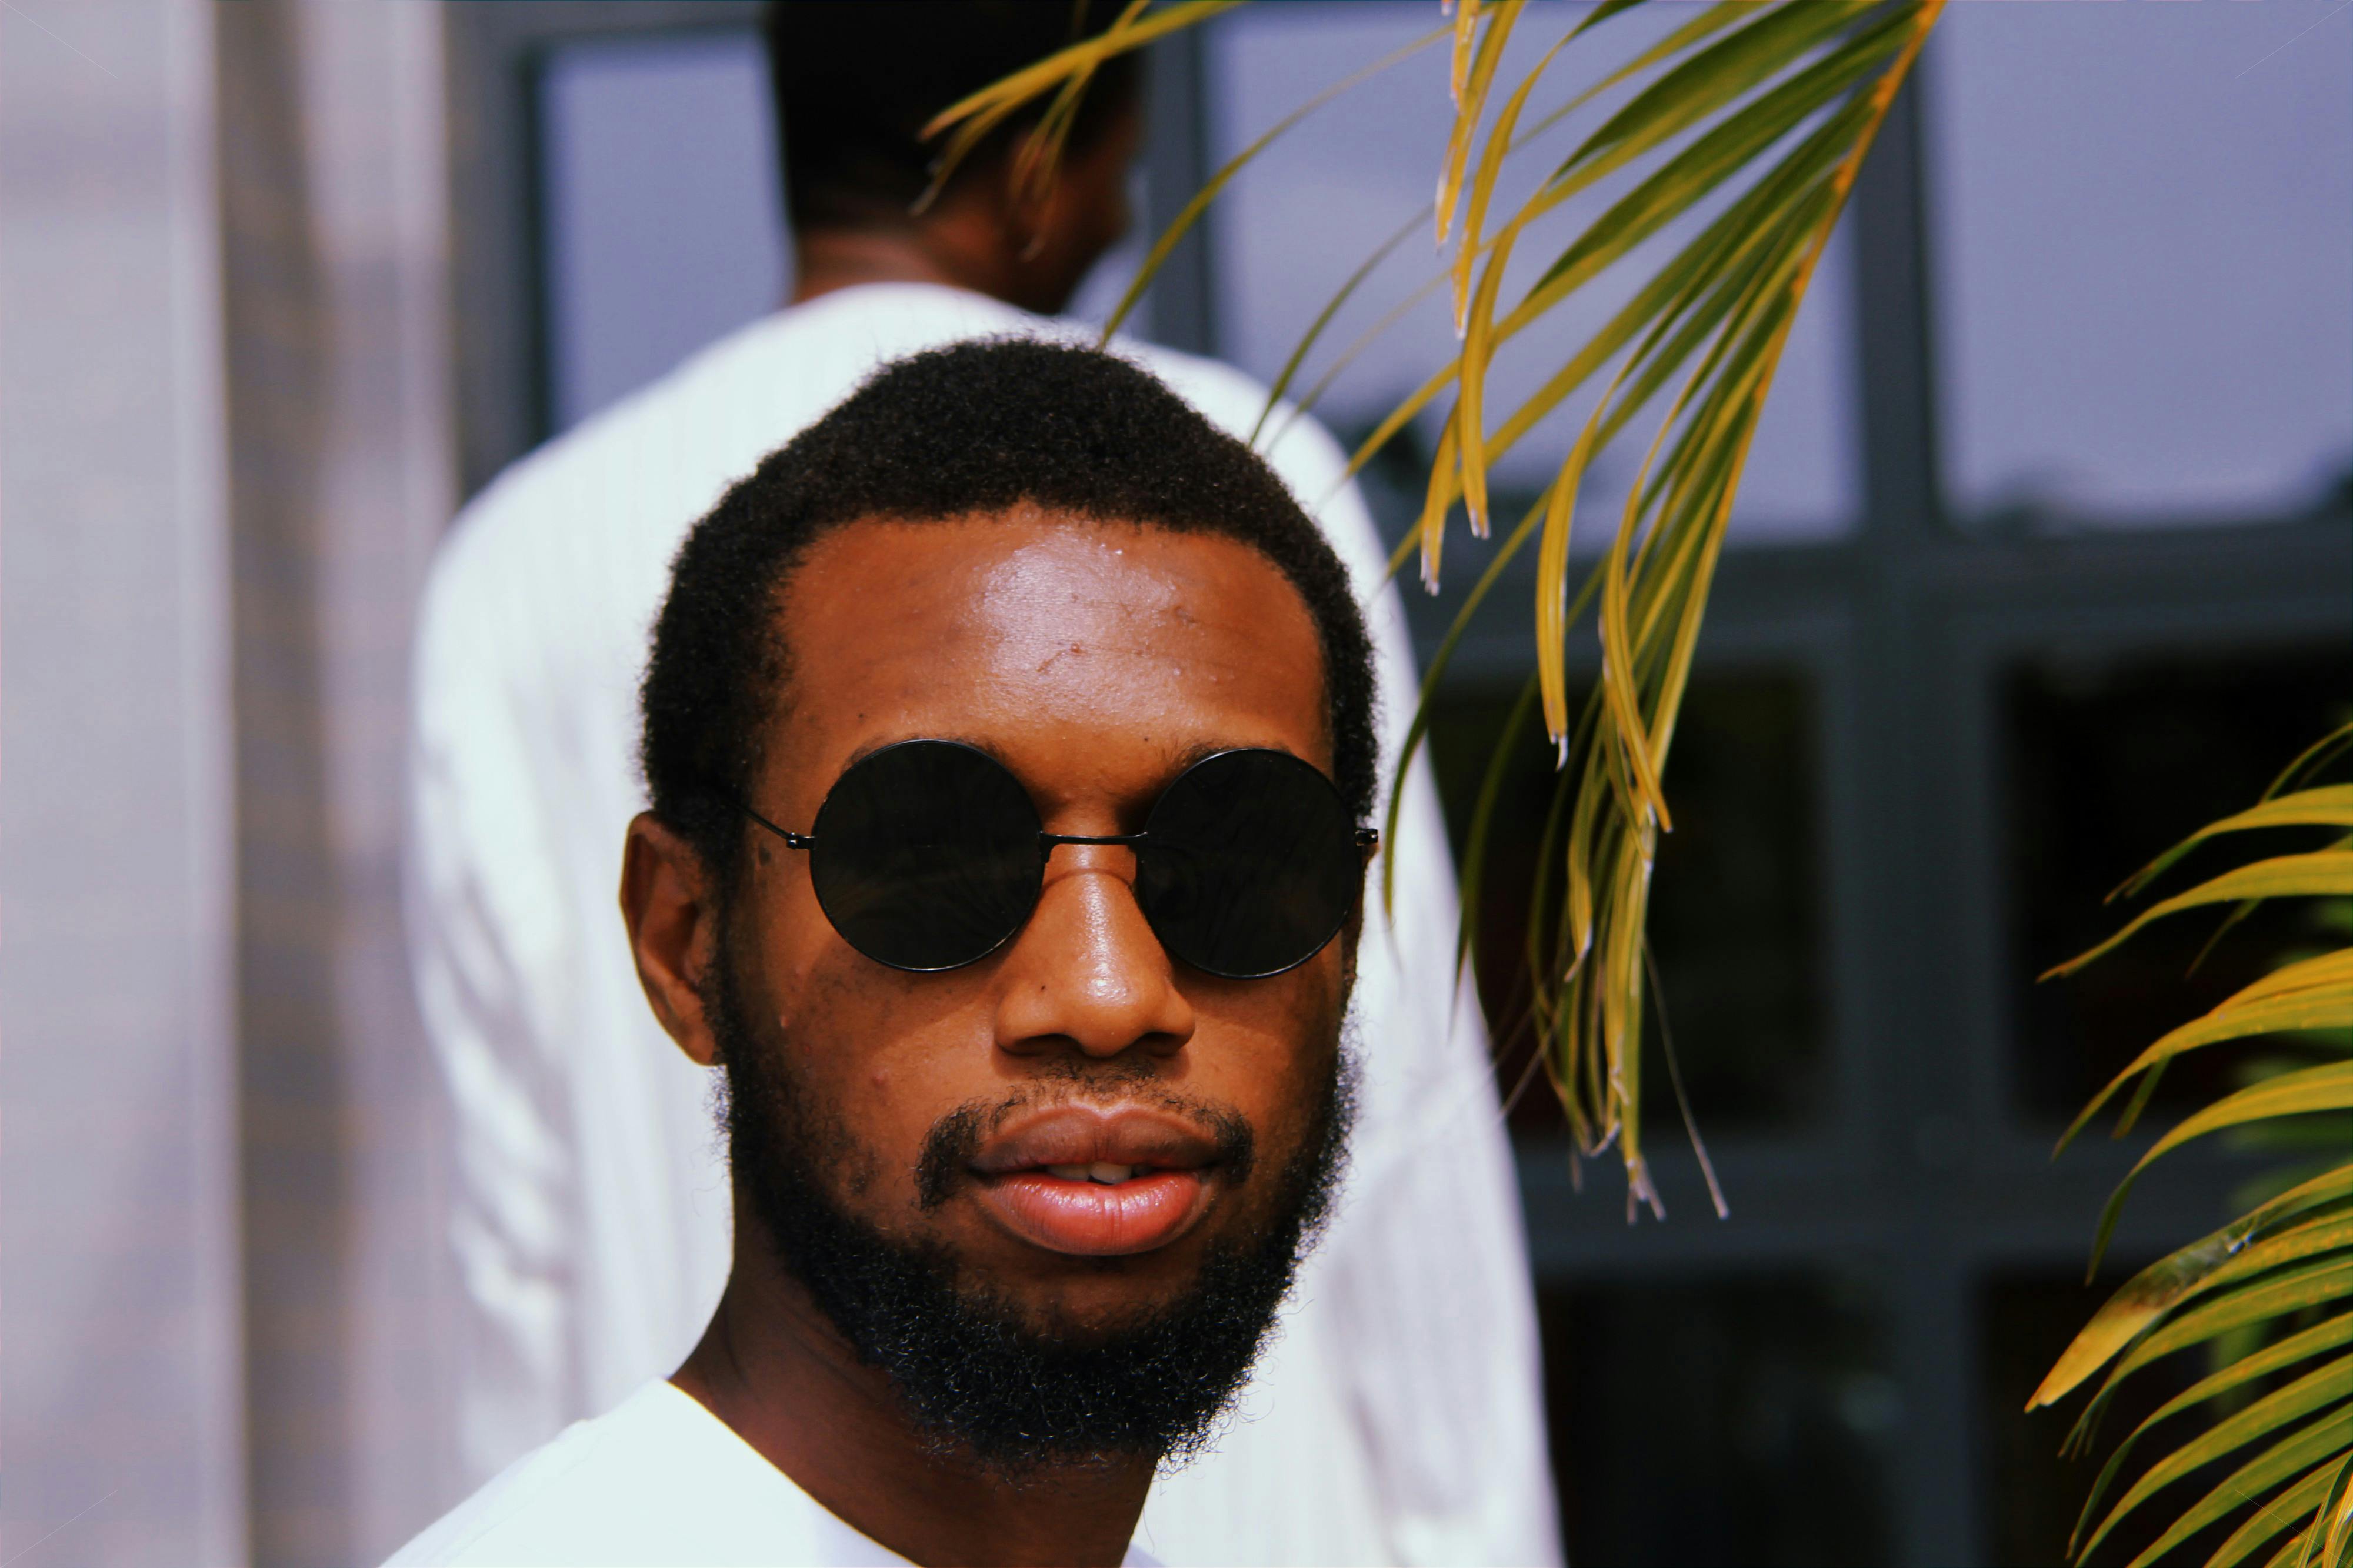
(829, 260)
(773, 1367)
(962, 247)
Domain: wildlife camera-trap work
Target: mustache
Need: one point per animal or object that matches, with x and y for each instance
(955, 1140)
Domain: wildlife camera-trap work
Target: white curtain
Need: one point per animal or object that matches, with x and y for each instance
(224, 456)
(332, 196)
(121, 1392)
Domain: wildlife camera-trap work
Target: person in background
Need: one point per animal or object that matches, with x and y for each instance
(1395, 1416)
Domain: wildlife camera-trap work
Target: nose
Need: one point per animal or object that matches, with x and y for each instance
(1087, 972)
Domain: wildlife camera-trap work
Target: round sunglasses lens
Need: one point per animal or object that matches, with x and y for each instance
(1249, 864)
(924, 855)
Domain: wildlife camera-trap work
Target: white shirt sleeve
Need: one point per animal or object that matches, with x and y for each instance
(1429, 1278)
(588, 1208)
(486, 915)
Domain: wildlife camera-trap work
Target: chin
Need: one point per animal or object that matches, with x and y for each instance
(1098, 1299)
(1085, 1322)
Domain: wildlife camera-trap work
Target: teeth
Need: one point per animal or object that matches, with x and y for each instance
(1104, 1171)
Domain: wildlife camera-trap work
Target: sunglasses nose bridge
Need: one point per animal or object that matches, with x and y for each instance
(1048, 842)
(1086, 855)
(1087, 968)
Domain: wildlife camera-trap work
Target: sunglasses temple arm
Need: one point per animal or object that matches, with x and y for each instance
(792, 840)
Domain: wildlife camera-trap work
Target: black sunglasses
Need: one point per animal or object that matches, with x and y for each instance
(928, 855)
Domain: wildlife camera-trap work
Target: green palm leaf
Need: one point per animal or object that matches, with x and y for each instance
(2316, 994)
(2271, 1271)
(2292, 1291)
(2315, 1391)
(2317, 875)
(1764, 114)
(1765, 109)
(2322, 1336)
(2322, 1441)
(2280, 1513)
(2320, 1088)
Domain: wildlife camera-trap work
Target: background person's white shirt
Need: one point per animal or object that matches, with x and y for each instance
(659, 1482)
(1398, 1416)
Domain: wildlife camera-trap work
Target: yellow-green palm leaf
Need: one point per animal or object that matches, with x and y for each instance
(2278, 1282)
(1758, 113)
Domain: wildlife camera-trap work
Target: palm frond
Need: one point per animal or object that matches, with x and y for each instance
(1200, 203)
(2312, 993)
(2274, 1289)
(1746, 121)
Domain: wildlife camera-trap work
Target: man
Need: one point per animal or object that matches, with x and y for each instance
(1031, 1036)
(1395, 1417)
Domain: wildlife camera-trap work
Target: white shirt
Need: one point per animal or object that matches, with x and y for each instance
(659, 1482)
(1397, 1420)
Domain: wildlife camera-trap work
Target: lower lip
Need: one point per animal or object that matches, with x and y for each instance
(1096, 1219)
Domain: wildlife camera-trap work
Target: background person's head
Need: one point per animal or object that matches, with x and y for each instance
(856, 82)
(1041, 551)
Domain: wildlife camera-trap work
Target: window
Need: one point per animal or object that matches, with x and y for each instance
(2144, 227)
(2087, 735)
(2025, 1319)
(1306, 212)
(1736, 921)
(662, 219)
(1744, 1420)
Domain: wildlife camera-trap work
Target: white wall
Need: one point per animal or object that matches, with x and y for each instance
(121, 1418)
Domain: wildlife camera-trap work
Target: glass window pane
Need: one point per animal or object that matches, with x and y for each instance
(2143, 217)
(1714, 1421)
(1304, 216)
(1736, 915)
(663, 221)
(2033, 1496)
(2112, 761)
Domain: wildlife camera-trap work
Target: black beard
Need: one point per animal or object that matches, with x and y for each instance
(978, 1379)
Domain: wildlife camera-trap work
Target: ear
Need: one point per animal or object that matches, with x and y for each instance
(667, 904)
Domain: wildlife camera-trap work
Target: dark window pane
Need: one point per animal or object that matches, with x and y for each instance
(1734, 914)
(2110, 763)
(2032, 1494)
(1721, 1422)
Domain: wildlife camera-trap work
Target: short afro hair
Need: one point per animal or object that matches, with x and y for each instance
(975, 427)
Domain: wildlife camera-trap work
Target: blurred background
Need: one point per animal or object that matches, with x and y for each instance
(2043, 560)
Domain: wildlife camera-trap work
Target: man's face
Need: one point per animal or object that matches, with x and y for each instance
(965, 1116)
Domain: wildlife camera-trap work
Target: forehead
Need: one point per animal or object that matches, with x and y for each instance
(1052, 640)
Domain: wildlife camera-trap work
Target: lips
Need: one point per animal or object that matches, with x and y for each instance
(1097, 1181)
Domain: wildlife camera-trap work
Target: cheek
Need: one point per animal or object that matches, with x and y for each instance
(1281, 1035)
(889, 1059)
